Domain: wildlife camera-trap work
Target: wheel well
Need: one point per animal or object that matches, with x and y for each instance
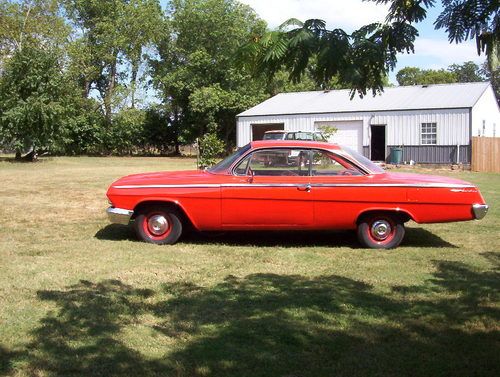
(403, 216)
(152, 203)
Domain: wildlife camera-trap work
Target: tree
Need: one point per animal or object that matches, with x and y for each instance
(30, 22)
(360, 60)
(417, 76)
(109, 35)
(35, 100)
(467, 72)
(197, 72)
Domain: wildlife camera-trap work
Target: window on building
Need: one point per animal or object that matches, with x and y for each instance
(429, 133)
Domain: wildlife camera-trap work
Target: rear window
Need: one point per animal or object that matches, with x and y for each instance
(273, 136)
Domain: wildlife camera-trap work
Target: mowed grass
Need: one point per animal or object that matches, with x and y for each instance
(81, 297)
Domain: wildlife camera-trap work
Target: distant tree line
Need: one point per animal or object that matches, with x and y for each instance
(128, 77)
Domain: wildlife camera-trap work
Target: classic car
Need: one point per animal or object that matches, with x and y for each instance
(324, 186)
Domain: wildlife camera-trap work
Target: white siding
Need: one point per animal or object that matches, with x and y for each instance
(486, 109)
(402, 127)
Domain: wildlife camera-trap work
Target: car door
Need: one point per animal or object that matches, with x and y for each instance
(339, 190)
(269, 190)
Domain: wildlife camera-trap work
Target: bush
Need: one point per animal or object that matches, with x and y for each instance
(211, 149)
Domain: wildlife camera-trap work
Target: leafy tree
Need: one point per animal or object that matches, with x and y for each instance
(110, 34)
(417, 76)
(32, 23)
(360, 60)
(467, 72)
(35, 100)
(196, 71)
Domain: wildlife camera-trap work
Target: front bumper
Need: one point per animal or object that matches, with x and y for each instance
(479, 210)
(119, 215)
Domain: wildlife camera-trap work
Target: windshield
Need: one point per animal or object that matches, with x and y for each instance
(374, 168)
(228, 161)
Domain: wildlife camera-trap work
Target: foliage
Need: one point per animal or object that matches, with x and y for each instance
(362, 59)
(417, 76)
(197, 73)
(30, 23)
(211, 148)
(35, 100)
(125, 133)
(358, 61)
(466, 72)
(111, 34)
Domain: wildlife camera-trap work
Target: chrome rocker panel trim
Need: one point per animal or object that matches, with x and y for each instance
(480, 210)
(119, 215)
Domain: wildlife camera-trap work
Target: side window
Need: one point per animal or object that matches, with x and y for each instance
(328, 164)
(277, 162)
(242, 168)
(290, 136)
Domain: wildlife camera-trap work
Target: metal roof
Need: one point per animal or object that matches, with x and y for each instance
(442, 96)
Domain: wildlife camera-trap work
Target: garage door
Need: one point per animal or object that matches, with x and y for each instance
(349, 134)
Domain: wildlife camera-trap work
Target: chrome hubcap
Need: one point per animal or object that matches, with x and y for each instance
(157, 225)
(381, 229)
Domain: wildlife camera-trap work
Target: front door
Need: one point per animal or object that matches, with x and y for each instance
(269, 190)
(377, 143)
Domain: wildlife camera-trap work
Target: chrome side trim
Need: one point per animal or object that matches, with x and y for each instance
(214, 185)
(479, 210)
(119, 215)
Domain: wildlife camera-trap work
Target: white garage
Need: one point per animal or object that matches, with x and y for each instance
(431, 123)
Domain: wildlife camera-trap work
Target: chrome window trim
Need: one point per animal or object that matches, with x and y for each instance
(341, 153)
(219, 185)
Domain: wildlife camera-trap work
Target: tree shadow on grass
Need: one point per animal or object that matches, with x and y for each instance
(415, 237)
(6, 359)
(276, 325)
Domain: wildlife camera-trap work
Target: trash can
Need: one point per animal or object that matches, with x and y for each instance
(396, 155)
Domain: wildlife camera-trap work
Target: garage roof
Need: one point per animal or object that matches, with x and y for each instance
(442, 96)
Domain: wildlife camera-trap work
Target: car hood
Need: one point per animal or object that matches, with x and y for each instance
(167, 178)
(412, 178)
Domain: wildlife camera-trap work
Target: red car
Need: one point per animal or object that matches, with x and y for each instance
(285, 185)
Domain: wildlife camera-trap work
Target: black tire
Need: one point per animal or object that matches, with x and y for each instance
(381, 231)
(160, 225)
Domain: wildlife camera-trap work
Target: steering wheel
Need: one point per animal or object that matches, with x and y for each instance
(347, 172)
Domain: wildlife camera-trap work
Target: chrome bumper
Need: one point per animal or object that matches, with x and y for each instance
(119, 215)
(480, 210)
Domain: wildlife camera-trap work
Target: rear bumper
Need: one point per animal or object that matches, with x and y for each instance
(479, 210)
(119, 215)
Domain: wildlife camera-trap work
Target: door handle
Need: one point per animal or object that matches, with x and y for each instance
(306, 188)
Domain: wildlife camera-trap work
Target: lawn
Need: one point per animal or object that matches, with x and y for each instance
(81, 297)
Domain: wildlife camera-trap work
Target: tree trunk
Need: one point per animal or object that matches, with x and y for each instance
(133, 81)
(110, 90)
(18, 155)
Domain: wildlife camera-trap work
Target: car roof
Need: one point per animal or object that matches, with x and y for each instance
(294, 144)
(275, 132)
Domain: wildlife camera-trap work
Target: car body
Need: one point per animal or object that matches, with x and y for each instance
(287, 185)
(294, 135)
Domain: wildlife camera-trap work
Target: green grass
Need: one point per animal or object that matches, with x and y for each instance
(81, 297)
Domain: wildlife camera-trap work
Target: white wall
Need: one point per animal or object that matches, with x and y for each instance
(486, 109)
(403, 127)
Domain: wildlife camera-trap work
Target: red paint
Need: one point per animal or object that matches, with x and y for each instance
(218, 203)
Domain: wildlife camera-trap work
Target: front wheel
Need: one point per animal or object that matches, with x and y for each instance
(381, 231)
(159, 225)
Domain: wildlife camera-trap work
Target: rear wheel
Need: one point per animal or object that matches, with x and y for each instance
(381, 231)
(159, 225)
